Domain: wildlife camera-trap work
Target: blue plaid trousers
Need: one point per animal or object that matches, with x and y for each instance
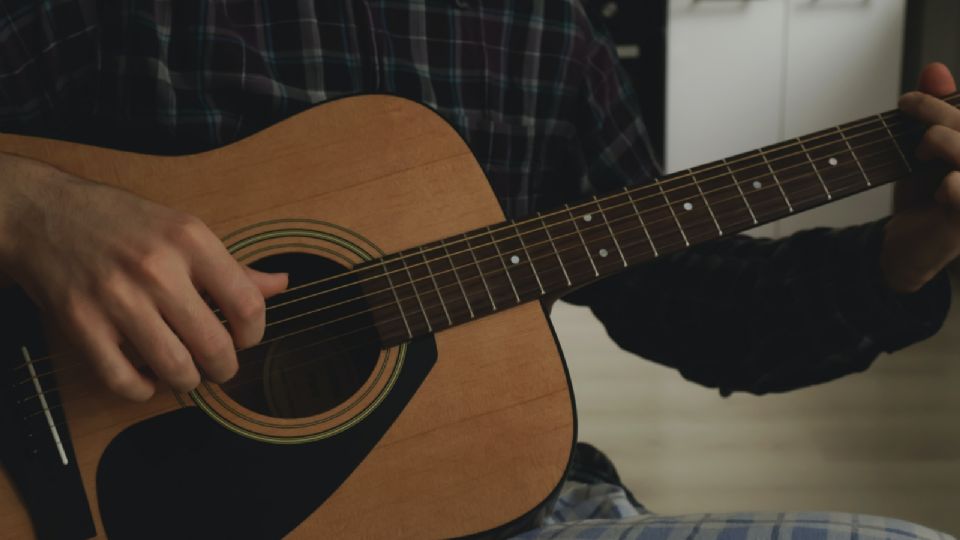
(604, 511)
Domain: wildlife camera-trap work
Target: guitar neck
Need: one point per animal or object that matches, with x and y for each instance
(483, 271)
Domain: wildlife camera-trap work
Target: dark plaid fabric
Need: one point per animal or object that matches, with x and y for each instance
(535, 90)
(528, 83)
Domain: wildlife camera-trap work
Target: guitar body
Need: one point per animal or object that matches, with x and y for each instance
(458, 433)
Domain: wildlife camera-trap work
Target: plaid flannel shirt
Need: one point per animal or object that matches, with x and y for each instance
(535, 89)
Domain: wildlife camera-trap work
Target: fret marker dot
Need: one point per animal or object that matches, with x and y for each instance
(688, 206)
(833, 162)
(603, 252)
(587, 217)
(515, 259)
(757, 184)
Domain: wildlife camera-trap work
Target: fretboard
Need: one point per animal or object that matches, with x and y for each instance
(459, 279)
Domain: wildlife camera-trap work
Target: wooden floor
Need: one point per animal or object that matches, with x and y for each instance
(884, 442)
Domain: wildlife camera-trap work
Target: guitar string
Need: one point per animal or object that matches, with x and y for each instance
(453, 269)
(643, 242)
(317, 343)
(75, 399)
(540, 218)
(550, 242)
(690, 174)
(814, 168)
(832, 132)
(898, 119)
(547, 256)
(595, 208)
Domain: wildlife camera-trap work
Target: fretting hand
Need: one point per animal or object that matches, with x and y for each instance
(924, 234)
(121, 274)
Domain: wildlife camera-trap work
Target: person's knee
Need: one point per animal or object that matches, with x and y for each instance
(819, 525)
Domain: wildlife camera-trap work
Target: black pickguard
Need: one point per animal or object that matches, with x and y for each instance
(181, 475)
(178, 475)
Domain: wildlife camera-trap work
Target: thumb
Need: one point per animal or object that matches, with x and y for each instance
(269, 284)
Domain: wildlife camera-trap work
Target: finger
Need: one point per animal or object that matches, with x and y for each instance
(200, 330)
(936, 79)
(940, 142)
(930, 110)
(269, 284)
(948, 194)
(139, 322)
(236, 295)
(98, 342)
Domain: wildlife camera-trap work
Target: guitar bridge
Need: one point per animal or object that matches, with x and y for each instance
(45, 407)
(36, 449)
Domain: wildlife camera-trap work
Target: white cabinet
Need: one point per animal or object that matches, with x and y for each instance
(746, 73)
(843, 61)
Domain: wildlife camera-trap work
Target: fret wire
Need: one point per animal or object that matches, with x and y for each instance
(895, 143)
(855, 158)
(636, 210)
(672, 212)
(764, 188)
(740, 190)
(887, 164)
(533, 268)
(393, 289)
(49, 373)
(642, 225)
(45, 374)
(816, 171)
(776, 179)
(456, 275)
(556, 252)
(435, 286)
(493, 305)
(640, 219)
(704, 197)
(847, 143)
(612, 236)
(416, 294)
(503, 263)
(638, 228)
(582, 241)
(895, 114)
(821, 136)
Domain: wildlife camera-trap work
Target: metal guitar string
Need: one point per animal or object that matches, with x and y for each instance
(320, 342)
(745, 181)
(453, 268)
(725, 164)
(731, 173)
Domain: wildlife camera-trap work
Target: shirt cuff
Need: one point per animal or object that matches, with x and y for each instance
(898, 319)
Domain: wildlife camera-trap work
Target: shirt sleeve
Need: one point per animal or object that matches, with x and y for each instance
(758, 315)
(740, 314)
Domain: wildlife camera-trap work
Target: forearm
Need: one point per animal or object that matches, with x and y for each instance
(763, 316)
(19, 180)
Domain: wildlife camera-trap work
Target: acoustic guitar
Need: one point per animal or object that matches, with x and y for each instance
(408, 385)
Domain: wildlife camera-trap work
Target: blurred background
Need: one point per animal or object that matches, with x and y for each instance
(719, 77)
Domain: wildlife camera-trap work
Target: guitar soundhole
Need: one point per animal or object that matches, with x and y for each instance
(320, 346)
